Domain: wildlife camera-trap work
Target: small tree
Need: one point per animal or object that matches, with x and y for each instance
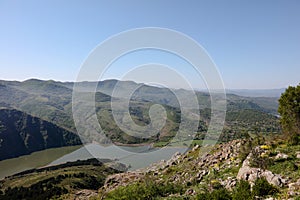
(263, 188)
(289, 109)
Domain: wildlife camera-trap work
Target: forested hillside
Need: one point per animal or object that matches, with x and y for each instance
(52, 101)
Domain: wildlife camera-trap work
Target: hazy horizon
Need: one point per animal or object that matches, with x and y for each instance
(200, 89)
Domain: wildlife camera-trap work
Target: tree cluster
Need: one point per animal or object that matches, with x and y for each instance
(289, 110)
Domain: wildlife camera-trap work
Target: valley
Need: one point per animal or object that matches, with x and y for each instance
(38, 115)
(52, 101)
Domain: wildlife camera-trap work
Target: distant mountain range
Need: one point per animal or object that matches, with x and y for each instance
(257, 93)
(51, 102)
(274, 93)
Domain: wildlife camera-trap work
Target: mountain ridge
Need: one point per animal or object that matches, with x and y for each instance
(52, 101)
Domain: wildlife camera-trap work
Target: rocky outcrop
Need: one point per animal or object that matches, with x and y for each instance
(194, 166)
(217, 166)
(248, 173)
(251, 174)
(122, 179)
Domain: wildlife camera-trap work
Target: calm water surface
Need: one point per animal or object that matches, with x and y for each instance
(136, 157)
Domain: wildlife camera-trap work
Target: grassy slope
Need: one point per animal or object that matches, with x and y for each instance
(62, 179)
(173, 180)
(167, 181)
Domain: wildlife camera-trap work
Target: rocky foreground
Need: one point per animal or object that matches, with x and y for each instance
(203, 168)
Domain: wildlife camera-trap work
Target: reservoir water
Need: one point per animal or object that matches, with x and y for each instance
(136, 157)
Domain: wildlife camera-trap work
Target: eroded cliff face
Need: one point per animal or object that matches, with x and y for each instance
(22, 134)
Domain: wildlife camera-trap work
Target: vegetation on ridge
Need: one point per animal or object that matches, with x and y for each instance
(55, 181)
(289, 109)
(52, 101)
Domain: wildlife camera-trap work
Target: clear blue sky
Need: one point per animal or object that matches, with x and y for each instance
(255, 44)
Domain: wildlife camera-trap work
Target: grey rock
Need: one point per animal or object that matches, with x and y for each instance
(85, 194)
(195, 147)
(281, 156)
(190, 192)
(294, 188)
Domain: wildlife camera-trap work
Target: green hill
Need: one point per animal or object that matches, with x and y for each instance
(55, 181)
(52, 101)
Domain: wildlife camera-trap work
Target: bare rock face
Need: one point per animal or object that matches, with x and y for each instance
(273, 179)
(248, 173)
(23, 134)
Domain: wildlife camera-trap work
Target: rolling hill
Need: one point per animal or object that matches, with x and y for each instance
(52, 101)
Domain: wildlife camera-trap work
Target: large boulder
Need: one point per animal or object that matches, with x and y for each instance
(251, 174)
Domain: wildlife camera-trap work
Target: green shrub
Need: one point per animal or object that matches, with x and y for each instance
(219, 194)
(294, 139)
(262, 188)
(260, 161)
(286, 166)
(203, 196)
(215, 184)
(145, 190)
(242, 191)
(245, 150)
(297, 198)
(273, 153)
